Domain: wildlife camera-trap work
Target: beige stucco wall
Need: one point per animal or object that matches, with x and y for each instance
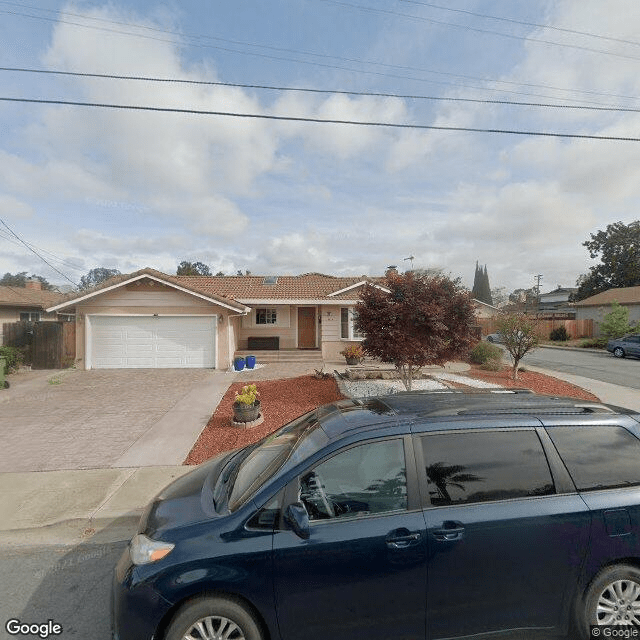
(160, 300)
(332, 343)
(598, 313)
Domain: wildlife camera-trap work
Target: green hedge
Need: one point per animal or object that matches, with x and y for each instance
(485, 352)
(13, 357)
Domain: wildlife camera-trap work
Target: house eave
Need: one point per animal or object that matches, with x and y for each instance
(297, 301)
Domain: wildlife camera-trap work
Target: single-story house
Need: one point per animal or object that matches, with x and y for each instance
(557, 301)
(485, 310)
(28, 303)
(151, 319)
(598, 306)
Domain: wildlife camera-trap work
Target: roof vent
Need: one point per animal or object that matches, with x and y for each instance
(270, 280)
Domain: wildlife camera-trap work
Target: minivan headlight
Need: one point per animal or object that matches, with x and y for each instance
(144, 550)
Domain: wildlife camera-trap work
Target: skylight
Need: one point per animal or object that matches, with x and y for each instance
(270, 280)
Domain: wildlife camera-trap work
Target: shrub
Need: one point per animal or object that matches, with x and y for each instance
(13, 357)
(248, 395)
(594, 343)
(353, 351)
(491, 365)
(485, 352)
(559, 333)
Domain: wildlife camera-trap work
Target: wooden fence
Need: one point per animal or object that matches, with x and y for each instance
(575, 328)
(47, 345)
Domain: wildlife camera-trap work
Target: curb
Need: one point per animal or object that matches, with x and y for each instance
(578, 349)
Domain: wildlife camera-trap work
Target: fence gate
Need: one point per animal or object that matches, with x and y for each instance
(51, 345)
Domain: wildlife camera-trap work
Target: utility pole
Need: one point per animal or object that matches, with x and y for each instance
(538, 278)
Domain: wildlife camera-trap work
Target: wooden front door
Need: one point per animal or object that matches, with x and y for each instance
(306, 328)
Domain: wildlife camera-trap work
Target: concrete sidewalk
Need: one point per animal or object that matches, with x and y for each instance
(104, 505)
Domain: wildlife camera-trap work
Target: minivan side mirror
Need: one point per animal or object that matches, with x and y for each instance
(297, 518)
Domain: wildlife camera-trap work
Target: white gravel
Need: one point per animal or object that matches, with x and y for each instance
(471, 382)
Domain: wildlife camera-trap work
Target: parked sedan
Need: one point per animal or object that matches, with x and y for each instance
(417, 515)
(626, 346)
(495, 337)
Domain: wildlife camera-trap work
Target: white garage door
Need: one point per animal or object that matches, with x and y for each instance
(121, 342)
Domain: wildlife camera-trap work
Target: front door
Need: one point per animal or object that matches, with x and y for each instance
(306, 328)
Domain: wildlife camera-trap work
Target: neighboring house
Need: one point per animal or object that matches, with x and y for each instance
(597, 307)
(484, 310)
(151, 319)
(27, 303)
(557, 301)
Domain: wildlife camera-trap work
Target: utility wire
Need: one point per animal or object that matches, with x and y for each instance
(26, 244)
(378, 94)
(53, 256)
(299, 52)
(537, 25)
(549, 134)
(466, 27)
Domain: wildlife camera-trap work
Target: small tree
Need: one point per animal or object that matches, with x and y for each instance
(97, 276)
(423, 320)
(616, 322)
(519, 336)
(193, 269)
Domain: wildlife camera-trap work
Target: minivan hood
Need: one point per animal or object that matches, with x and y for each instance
(186, 500)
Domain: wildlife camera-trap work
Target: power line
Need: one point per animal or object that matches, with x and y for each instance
(26, 244)
(322, 91)
(53, 256)
(299, 52)
(548, 134)
(523, 22)
(466, 27)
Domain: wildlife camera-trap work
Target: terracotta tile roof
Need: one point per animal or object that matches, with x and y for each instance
(308, 286)
(125, 277)
(623, 295)
(23, 297)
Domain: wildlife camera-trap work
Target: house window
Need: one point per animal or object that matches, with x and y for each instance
(266, 316)
(30, 316)
(348, 330)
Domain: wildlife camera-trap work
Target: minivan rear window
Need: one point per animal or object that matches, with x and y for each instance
(598, 457)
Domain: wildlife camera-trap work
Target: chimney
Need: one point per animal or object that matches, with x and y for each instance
(33, 283)
(391, 270)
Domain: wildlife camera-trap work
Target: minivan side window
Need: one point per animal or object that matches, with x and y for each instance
(482, 466)
(363, 480)
(598, 457)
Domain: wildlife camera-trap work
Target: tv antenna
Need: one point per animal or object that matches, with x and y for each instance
(410, 258)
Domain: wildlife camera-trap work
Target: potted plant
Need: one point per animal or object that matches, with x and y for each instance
(353, 354)
(246, 406)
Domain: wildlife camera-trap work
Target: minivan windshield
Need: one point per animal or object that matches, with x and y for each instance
(278, 452)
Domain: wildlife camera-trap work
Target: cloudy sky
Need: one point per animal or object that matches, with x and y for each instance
(94, 187)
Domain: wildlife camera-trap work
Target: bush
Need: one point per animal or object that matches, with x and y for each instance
(485, 352)
(594, 343)
(559, 333)
(13, 357)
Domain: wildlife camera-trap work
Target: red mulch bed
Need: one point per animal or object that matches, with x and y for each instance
(537, 382)
(281, 401)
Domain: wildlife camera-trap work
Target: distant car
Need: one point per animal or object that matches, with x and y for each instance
(626, 346)
(495, 337)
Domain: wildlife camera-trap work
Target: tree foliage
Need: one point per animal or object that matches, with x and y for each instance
(193, 269)
(423, 320)
(97, 276)
(481, 289)
(20, 280)
(619, 250)
(616, 323)
(519, 336)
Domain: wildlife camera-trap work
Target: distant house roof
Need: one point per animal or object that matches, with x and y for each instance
(24, 297)
(485, 304)
(124, 279)
(308, 286)
(623, 295)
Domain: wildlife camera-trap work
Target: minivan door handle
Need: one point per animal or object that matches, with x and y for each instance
(401, 538)
(451, 531)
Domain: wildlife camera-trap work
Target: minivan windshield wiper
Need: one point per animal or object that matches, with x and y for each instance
(228, 470)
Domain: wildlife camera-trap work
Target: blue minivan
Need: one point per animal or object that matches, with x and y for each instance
(421, 515)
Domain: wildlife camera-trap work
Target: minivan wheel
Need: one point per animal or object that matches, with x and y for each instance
(613, 598)
(213, 619)
(618, 352)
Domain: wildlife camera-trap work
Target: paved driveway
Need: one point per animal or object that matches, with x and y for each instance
(52, 420)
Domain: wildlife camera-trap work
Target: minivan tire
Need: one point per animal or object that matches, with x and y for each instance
(618, 352)
(625, 580)
(218, 611)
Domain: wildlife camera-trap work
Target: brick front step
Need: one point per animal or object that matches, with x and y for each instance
(306, 356)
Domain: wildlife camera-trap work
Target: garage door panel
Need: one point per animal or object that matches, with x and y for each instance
(158, 342)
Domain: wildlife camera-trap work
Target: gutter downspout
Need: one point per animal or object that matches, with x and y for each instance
(236, 315)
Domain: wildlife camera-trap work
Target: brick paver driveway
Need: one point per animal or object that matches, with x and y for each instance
(86, 419)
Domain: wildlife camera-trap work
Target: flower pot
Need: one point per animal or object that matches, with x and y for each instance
(250, 362)
(238, 364)
(246, 412)
(353, 361)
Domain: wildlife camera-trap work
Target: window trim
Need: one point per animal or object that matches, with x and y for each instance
(413, 490)
(38, 315)
(268, 311)
(559, 479)
(350, 328)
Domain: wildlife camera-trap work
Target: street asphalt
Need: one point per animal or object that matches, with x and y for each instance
(69, 507)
